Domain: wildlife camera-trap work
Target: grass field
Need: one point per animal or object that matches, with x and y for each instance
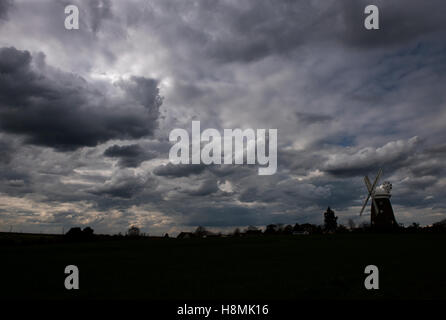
(276, 267)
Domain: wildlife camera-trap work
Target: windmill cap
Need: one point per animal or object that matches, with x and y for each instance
(384, 189)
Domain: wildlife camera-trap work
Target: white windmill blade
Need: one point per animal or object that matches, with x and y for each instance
(368, 184)
(377, 178)
(365, 203)
(369, 188)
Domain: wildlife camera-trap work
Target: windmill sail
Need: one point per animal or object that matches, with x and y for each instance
(371, 190)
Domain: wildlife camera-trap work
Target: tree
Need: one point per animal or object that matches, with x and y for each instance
(77, 233)
(252, 230)
(201, 231)
(439, 226)
(414, 227)
(330, 220)
(133, 231)
(271, 229)
(297, 228)
(88, 232)
(288, 229)
(74, 232)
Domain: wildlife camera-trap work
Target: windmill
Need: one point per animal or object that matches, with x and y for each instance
(381, 215)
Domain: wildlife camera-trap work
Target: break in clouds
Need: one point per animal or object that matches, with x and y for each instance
(85, 114)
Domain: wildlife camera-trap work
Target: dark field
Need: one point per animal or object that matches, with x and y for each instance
(411, 266)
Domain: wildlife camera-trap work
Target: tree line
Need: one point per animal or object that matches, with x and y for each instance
(330, 226)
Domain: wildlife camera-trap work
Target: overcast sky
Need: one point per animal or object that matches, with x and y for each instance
(85, 115)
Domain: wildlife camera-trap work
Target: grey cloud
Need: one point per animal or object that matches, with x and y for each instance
(65, 112)
(144, 91)
(399, 22)
(124, 185)
(129, 155)
(307, 118)
(231, 32)
(5, 6)
(207, 187)
(180, 170)
(7, 150)
(301, 162)
(99, 10)
(436, 150)
(65, 218)
(361, 162)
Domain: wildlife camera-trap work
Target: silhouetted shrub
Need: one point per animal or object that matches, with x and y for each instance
(201, 232)
(133, 232)
(271, 229)
(287, 230)
(252, 230)
(330, 221)
(342, 229)
(88, 232)
(76, 233)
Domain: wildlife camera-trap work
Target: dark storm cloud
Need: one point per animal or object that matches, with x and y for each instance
(124, 190)
(222, 171)
(5, 6)
(63, 111)
(145, 91)
(181, 170)
(246, 32)
(300, 162)
(15, 182)
(124, 185)
(6, 153)
(205, 188)
(130, 156)
(400, 22)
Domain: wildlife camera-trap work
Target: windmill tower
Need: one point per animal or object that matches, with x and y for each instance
(381, 214)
